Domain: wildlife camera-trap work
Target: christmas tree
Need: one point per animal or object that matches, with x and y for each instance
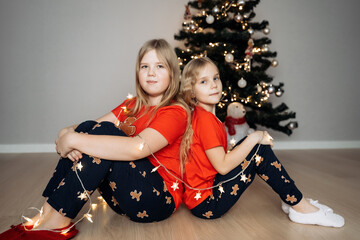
(223, 30)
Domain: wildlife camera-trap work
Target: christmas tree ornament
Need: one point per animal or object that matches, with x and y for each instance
(247, 15)
(249, 50)
(216, 10)
(229, 57)
(292, 125)
(258, 88)
(249, 55)
(274, 63)
(265, 48)
(210, 19)
(223, 35)
(266, 30)
(238, 18)
(279, 92)
(242, 83)
(193, 27)
(187, 14)
(271, 89)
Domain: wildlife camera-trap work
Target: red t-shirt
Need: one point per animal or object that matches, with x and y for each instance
(209, 132)
(169, 121)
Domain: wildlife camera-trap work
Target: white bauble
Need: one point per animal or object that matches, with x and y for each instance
(238, 17)
(210, 19)
(274, 63)
(242, 83)
(229, 57)
(266, 30)
(216, 10)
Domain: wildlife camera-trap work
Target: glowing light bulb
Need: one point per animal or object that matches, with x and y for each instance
(89, 216)
(155, 169)
(93, 206)
(129, 96)
(257, 158)
(141, 146)
(79, 166)
(36, 223)
(65, 231)
(27, 219)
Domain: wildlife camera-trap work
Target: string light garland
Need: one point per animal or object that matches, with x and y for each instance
(84, 195)
(87, 215)
(225, 31)
(198, 194)
(92, 206)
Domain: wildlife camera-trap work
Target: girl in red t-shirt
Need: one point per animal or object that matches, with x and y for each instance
(215, 179)
(131, 154)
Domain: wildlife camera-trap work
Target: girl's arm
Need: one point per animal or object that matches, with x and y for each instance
(75, 155)
(109, 117)
(112, 147)
(225, 162)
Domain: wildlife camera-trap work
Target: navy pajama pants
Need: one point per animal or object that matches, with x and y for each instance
(128, 187)
(268, 167)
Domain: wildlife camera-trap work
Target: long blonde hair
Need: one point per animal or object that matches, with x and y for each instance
(168, 56)
(171, 96)
(188, 79)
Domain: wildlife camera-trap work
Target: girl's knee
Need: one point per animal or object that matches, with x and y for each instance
(106, 128)
(85, 126)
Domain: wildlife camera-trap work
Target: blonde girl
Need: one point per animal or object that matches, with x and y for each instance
(130, 154)
(216, 179)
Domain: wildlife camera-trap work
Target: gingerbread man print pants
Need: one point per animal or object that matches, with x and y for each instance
(129, 188)
(267, 166)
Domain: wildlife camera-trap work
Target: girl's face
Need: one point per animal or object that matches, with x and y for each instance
(154, 78)
(208, 88)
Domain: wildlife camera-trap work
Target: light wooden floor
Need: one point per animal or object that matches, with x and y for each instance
(332, 176)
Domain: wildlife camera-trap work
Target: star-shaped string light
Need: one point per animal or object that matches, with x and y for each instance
(197, 196)
(243, 178)
(79, 166)
(175, 186)
(258, 158)
(155, 169)
(82, 196)
(221, 189)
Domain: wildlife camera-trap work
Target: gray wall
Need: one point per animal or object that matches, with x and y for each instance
(65, 61)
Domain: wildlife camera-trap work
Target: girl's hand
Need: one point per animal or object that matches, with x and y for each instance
(65, 130)
(63, 143)
(74, 155)
(264, 138)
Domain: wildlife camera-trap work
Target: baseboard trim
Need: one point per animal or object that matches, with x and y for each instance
(26, 148)
(281, 145)
(296, 145)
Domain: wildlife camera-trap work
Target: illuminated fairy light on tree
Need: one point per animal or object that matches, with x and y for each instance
(225, 31)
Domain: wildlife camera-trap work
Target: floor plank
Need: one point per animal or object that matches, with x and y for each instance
(332, 176)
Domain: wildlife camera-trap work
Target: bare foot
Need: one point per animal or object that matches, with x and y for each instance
(49, 219)
(304, 206)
